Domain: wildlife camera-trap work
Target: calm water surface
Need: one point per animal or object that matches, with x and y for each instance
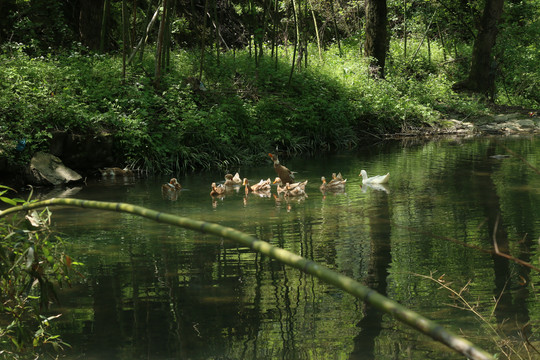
(152, 291)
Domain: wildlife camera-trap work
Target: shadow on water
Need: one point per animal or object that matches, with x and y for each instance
(160, 292)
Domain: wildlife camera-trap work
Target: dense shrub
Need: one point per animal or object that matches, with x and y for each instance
(245, 110)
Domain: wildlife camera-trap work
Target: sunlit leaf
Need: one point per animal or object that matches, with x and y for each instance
(8, 200)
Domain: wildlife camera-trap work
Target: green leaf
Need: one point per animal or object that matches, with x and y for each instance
(8, 200)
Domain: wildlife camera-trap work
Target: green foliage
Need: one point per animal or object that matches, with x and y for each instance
(31, 261)
(518, 54)
(248, 107)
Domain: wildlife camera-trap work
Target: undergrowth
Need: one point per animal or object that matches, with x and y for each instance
(243, 111)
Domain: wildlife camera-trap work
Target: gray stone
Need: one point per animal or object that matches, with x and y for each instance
(47, 169)
(526, 123)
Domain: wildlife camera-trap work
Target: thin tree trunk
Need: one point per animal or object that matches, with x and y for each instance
(144, 38)
(104, 23)
(428, 49)
(216, 29)
(316, 31)
(443, 44)
(296, 40)
(336, 33)
(167, 39)
(124, 38)
(147, 28)
(424, 37)
(263, 29)
(159, 48)
(203, 40)
(405, 29)
(132, 38)
(276, 31)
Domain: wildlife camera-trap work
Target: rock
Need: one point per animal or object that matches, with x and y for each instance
(526, 123)
(47, 169)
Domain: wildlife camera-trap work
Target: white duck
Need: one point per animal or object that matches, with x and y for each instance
(378, 179)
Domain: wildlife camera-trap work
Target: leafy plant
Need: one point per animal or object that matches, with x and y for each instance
(31, 262)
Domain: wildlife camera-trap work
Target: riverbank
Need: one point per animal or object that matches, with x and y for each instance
(511, 123)
(80, 109)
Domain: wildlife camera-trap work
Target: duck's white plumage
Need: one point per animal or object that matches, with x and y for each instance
(378, 179)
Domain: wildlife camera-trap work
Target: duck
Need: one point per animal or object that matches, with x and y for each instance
(217, 190)
(236, 179)
(299, 190)
(171, 189)
(115, 171)
(172, 185)
(286, 175)
(231, 180)
(378, 179)
(284, 188)
(336, 178)
(262, 186)
(334, 184)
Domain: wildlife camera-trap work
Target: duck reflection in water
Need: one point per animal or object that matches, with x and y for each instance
(378, 187)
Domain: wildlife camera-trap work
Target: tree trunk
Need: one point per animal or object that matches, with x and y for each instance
(316, 28)
(376, 35)
(144, 38)
(404, 29)
(336, 33)
(296, 40)
(481, 77)
(159, 47)
(104, 26)
(90, 14)
(203, 40)
(124, 38)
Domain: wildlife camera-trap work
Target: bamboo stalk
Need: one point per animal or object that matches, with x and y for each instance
(353, 287)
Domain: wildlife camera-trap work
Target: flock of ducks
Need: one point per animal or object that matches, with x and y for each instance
(285, 182)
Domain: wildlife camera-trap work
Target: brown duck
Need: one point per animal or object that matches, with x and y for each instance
(172, 185)
(263, 185)
(217, 190)
(288, 189)
(282, 172)
(171, 189)
(334, 184)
